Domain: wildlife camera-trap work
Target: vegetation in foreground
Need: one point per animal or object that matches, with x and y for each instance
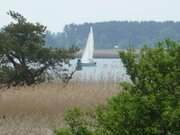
(150, 105)
(40, 109)
(23, 58)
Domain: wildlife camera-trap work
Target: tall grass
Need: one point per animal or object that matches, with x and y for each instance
(39, 110)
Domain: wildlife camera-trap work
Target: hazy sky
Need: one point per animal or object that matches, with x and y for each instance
(57, 13)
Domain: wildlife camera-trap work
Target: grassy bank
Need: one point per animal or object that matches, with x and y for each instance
(39, 110)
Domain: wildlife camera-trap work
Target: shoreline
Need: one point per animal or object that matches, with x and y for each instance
(105, 53)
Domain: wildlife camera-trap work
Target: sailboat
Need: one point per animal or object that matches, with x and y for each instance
(87, 57)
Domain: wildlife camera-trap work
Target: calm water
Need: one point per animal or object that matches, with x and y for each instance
(105, 70)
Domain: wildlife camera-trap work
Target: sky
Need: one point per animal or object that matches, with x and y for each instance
(55, 14)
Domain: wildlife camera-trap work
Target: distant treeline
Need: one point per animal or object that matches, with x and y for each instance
(109, 34)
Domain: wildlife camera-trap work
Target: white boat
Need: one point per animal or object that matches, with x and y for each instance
(87, 57)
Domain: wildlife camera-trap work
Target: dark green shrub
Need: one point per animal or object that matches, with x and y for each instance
(150, 105)
(76, 121)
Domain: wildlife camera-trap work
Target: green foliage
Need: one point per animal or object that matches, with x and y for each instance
(116, 117)
(150, 105)
(23, 57)
(63, 131)
(76, 121)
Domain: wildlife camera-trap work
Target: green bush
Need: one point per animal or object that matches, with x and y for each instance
(75, 119)
(150, 105)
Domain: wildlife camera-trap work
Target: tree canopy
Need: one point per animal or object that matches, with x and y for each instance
(24, 59)
(123, 34)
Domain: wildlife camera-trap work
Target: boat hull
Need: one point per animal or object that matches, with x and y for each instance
(88, 64)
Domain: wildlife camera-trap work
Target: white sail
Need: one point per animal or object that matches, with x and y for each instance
(87, 56)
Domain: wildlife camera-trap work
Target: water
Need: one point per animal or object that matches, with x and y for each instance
(105, 70)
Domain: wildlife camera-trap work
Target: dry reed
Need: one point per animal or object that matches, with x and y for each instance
(39, 110)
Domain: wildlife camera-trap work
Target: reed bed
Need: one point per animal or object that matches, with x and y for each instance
(38, 110)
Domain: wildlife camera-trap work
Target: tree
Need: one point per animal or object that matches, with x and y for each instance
(122, 34)
(24, 60)
(150, 105)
